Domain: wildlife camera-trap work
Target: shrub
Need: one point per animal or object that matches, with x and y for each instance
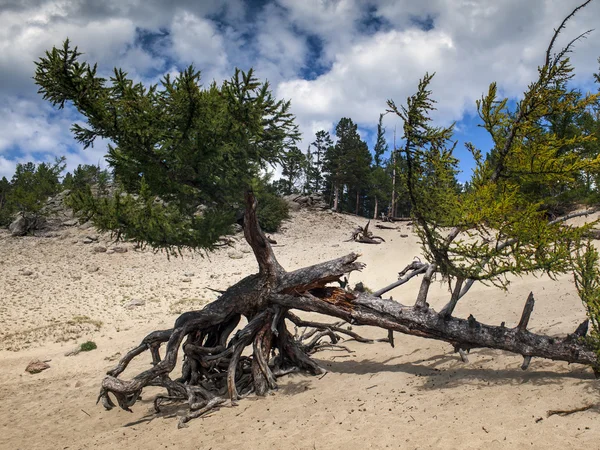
(88, 346)
(272, 210)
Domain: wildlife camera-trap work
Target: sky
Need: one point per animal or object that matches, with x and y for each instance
(331, 58)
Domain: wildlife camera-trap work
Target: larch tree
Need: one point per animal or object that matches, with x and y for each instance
(189, 146)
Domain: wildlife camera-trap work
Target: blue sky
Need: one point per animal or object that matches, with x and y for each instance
(332, 58)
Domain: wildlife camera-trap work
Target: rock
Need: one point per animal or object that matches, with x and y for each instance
(86, 226)
(110, 251)
(19, 226)
(404, 235)
(133, 303)
(186, 280)
(92, 269)
(188, 274)
(80, 383)
(90, 239)
(27, 272)
(99, 249)
(36, 366)
(234, 254)
(70, 223)
(294, 206)
(119, 249)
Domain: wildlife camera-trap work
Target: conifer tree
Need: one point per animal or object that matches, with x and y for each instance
(321, 145)
(189, 146)
(293, 164)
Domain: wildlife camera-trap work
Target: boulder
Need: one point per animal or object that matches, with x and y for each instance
(20, 226)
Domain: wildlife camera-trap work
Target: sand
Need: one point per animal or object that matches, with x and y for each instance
(58, 292)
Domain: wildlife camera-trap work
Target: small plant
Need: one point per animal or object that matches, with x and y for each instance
(81, 320)
(88, 346)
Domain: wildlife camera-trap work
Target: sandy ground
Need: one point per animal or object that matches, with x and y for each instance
(56, 293)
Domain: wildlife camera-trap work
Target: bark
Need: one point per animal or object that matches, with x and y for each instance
(216, 368)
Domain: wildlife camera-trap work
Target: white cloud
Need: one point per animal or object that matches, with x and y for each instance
(472, 44)
(196, 40)
(366, 61)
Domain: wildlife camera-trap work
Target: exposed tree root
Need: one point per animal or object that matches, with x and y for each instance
(216, 368)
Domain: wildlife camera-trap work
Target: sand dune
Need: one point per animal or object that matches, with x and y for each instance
(58, 292)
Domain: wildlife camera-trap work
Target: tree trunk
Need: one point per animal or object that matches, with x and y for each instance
(376, 205)
(357, 200)
(392, 212)
(336, 193)
(216, 370)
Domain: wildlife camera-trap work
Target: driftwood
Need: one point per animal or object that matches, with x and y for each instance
(216, 370)
(363, 235)
(384, 227)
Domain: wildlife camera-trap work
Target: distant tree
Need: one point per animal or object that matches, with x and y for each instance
(381, 146)
(6, 210)
(380, 183)
(293, 163)
(86, 175)
(321, 145)
(347, 164)
(32, 185)
(310, 172)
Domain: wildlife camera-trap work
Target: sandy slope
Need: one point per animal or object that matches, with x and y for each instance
(417, 395)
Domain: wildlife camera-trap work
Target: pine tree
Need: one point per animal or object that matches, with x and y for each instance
(193, 148)
(321, 145)
(347, 165)
(381, 146)
(32, 185)
(6, 210)
(293, 164)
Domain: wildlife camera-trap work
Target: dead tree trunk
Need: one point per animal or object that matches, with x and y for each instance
(376, 207)
(215, 370)
(363, 235)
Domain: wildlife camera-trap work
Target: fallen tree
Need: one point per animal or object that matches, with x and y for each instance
(214, 370)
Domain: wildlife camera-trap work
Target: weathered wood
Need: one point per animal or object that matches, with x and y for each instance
(426, 322)
(449, 308)
(527, 310)
(414, 269)
(424, 290)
